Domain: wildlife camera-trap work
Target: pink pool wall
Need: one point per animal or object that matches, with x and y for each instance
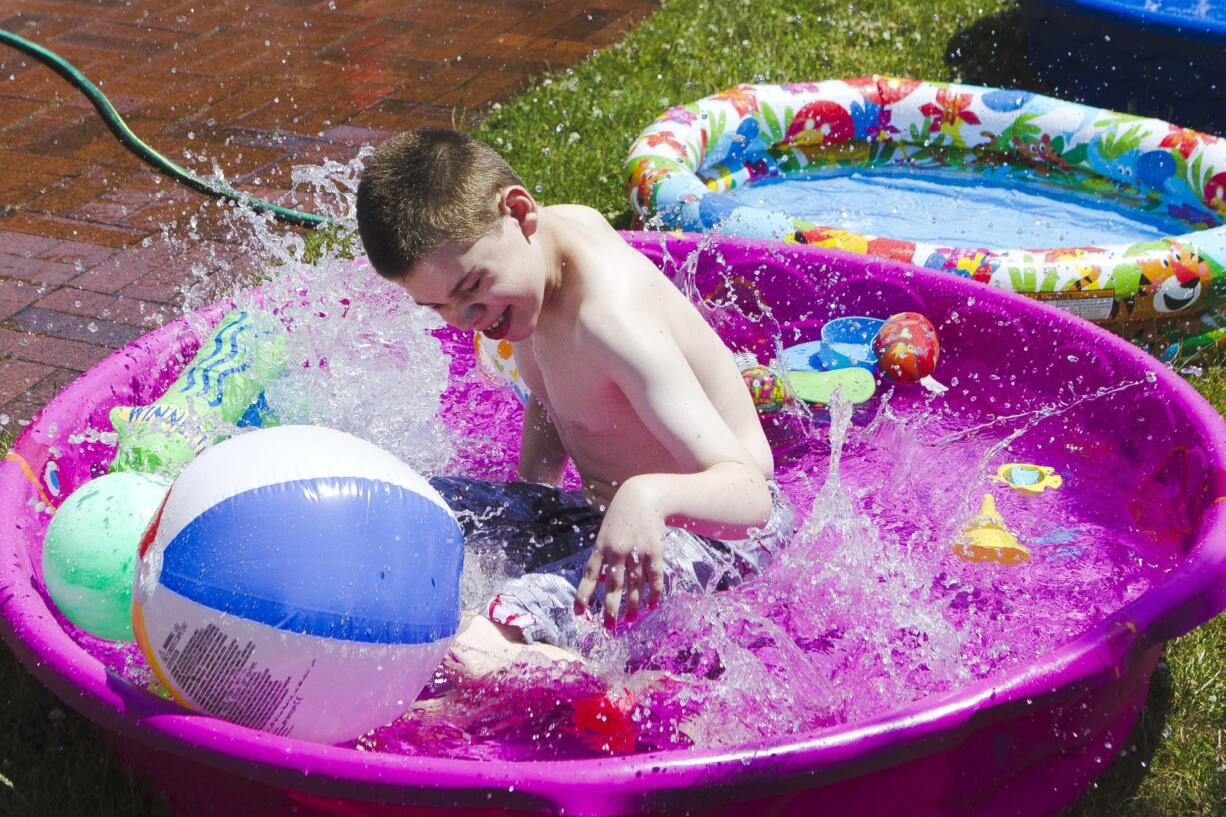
(1027, 742)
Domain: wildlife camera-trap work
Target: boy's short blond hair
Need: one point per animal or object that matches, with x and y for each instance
(426, 188)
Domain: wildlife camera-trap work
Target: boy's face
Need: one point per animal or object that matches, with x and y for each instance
(495, 286)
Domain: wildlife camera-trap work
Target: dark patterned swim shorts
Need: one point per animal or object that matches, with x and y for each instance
(548, 534)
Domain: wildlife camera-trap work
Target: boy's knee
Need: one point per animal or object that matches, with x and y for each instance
(483, 646)
(477, 629)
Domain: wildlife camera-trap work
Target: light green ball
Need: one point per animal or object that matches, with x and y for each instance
(89, 553)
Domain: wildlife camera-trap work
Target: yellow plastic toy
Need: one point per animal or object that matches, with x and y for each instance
(988, 540)
(1030, 479)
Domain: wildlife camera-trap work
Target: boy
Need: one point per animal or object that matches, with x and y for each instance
(627, 380)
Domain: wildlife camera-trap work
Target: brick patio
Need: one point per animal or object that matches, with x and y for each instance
(261, 90)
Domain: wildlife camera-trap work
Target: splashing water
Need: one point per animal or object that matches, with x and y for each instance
(867, 609)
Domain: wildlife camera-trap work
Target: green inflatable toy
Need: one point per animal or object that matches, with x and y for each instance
(89, 553)
(214, 393)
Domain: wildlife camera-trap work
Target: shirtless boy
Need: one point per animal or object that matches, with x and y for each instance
(628, 381)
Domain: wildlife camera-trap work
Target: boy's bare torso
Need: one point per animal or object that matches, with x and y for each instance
(607, 282)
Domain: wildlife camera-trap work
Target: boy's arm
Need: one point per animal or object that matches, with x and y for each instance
(541, 455)
(720, 493)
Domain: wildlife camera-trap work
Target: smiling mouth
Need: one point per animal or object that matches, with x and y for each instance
(1174, 303)
(498, 328)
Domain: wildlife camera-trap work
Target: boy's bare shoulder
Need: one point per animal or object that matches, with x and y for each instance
(586, 216)
(621, 305)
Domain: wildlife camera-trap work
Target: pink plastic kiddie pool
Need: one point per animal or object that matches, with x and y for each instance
(1026, 740)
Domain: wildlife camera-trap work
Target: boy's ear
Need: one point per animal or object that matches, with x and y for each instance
(518, 203)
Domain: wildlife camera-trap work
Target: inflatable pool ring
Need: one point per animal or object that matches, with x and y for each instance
(1154, 292)
(298, 580)
(216, 392)
(988, 540)
(906, 348)
(89, 552)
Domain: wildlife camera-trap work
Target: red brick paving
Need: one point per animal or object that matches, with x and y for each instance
(259, 87)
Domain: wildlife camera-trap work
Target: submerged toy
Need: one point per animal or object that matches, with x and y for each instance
(1030, 479)
(906, 347)
(606, 721)
(988, 540)
(244, 353)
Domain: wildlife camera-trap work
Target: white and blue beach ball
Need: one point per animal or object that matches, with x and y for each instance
(298, 580)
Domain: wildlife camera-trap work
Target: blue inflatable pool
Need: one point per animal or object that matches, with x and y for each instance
(1161, 58)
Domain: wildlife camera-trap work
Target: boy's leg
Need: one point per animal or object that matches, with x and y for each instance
(483, 646)
(540, 605)
(535, 610)
(533, 524)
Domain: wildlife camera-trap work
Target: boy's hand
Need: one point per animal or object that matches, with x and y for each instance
(630, 550)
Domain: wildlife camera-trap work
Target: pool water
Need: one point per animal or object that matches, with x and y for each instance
(964, 209)
(884, 493)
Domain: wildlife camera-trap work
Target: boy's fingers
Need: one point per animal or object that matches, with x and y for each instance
(614, 580)
(634, 590)
(587, 584)
(653, 574)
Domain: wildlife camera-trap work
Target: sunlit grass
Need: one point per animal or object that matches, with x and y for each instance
(568, 136)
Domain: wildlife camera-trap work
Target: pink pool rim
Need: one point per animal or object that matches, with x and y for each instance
(1026, 742)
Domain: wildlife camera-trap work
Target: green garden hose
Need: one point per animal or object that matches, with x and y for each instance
(147, 154)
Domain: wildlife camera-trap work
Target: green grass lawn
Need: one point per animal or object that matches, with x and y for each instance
(568, 136)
